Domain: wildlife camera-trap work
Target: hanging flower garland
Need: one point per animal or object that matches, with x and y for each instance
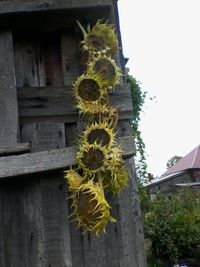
(99, 157)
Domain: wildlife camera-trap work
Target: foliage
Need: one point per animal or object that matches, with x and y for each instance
(138, 99)
(173, 161)
(172, 228)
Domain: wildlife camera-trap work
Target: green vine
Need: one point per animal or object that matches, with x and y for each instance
(138, 99)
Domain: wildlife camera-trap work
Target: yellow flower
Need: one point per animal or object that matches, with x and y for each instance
(99, 133)
(91, 158)
(91, 209)
(115, 178)
(107, 69)
(100, 39)
(90, 94)
(74, 180)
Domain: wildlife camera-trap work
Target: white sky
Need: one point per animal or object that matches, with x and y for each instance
(161, 38)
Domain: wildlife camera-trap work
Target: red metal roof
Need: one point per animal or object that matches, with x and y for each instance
(190, 161)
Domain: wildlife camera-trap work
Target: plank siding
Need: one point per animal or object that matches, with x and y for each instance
(13, 227)
(54, 229)
(70, 51)
(36, 78)
(8, 97)
(38, 103)
(2, 246)
(43, 136)
(9, 7)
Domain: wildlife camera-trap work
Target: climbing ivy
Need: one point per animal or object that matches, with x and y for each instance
(138, 99)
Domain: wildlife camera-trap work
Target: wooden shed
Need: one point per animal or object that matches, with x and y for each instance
(40, 58)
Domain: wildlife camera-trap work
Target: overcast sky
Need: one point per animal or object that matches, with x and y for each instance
(161, 38)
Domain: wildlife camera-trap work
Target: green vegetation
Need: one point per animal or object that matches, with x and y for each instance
(138, 99)
(172, 229)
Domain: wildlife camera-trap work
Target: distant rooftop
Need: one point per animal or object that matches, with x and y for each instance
(190, 161)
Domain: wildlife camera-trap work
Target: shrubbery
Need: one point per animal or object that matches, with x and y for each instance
(172, 228)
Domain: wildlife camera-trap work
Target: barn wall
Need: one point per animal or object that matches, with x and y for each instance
(34, 226)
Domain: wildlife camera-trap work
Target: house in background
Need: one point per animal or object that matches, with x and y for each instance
(184, 173)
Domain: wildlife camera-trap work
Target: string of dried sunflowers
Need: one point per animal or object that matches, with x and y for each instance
(99, 157)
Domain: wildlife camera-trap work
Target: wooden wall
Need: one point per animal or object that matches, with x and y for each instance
(37, 69)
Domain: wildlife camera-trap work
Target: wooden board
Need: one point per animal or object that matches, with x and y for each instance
(8, 98)
(50, 160)
(36, 103)
(15, 149)
(9, 7)
(44, 136)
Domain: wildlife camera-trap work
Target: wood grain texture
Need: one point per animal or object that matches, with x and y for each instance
(132, 234)
(2, 245)
(29, 60)
(15, 149)
(70, 51)
(14, 240)
(8, 97)
(43, 136)
(50, 160)
(51, 238)
(36, 103)
(9, 7)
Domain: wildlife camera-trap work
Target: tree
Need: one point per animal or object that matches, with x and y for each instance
(173, 161)
(172, 228)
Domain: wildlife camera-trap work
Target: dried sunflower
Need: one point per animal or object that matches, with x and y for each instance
(90, 93)
(110, 116)
(101, 38)
(74, 180)
(115, 177)
(107, 69)
(99, 133)
(115, 180)
(91, 209)
(91, 158)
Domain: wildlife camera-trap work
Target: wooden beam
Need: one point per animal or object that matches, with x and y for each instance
(22, 6)
(46, 101)
(51, 160)
(15, 149)
(8, 95)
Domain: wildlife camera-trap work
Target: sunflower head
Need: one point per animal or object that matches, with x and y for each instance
(101, 38)
(74, 180)
(91, 157)
(90, 93)
(115, 180)
(106, 68)
(99, 133)
(91, 208)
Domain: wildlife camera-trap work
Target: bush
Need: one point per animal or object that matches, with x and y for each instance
(172, 227)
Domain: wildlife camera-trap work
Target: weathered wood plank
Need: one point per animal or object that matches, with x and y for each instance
(70, 57)
(15, 149)
(41, 102)
(71, 134)
(29, 60)
(50, 160)
(43, 136)
(53, 62)
(94, 250)
(132, 234)
(9, 7)
(13, 226)
(8, 97)
(51, 245)
(2, 245)
(56, 232)
(30, 194)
